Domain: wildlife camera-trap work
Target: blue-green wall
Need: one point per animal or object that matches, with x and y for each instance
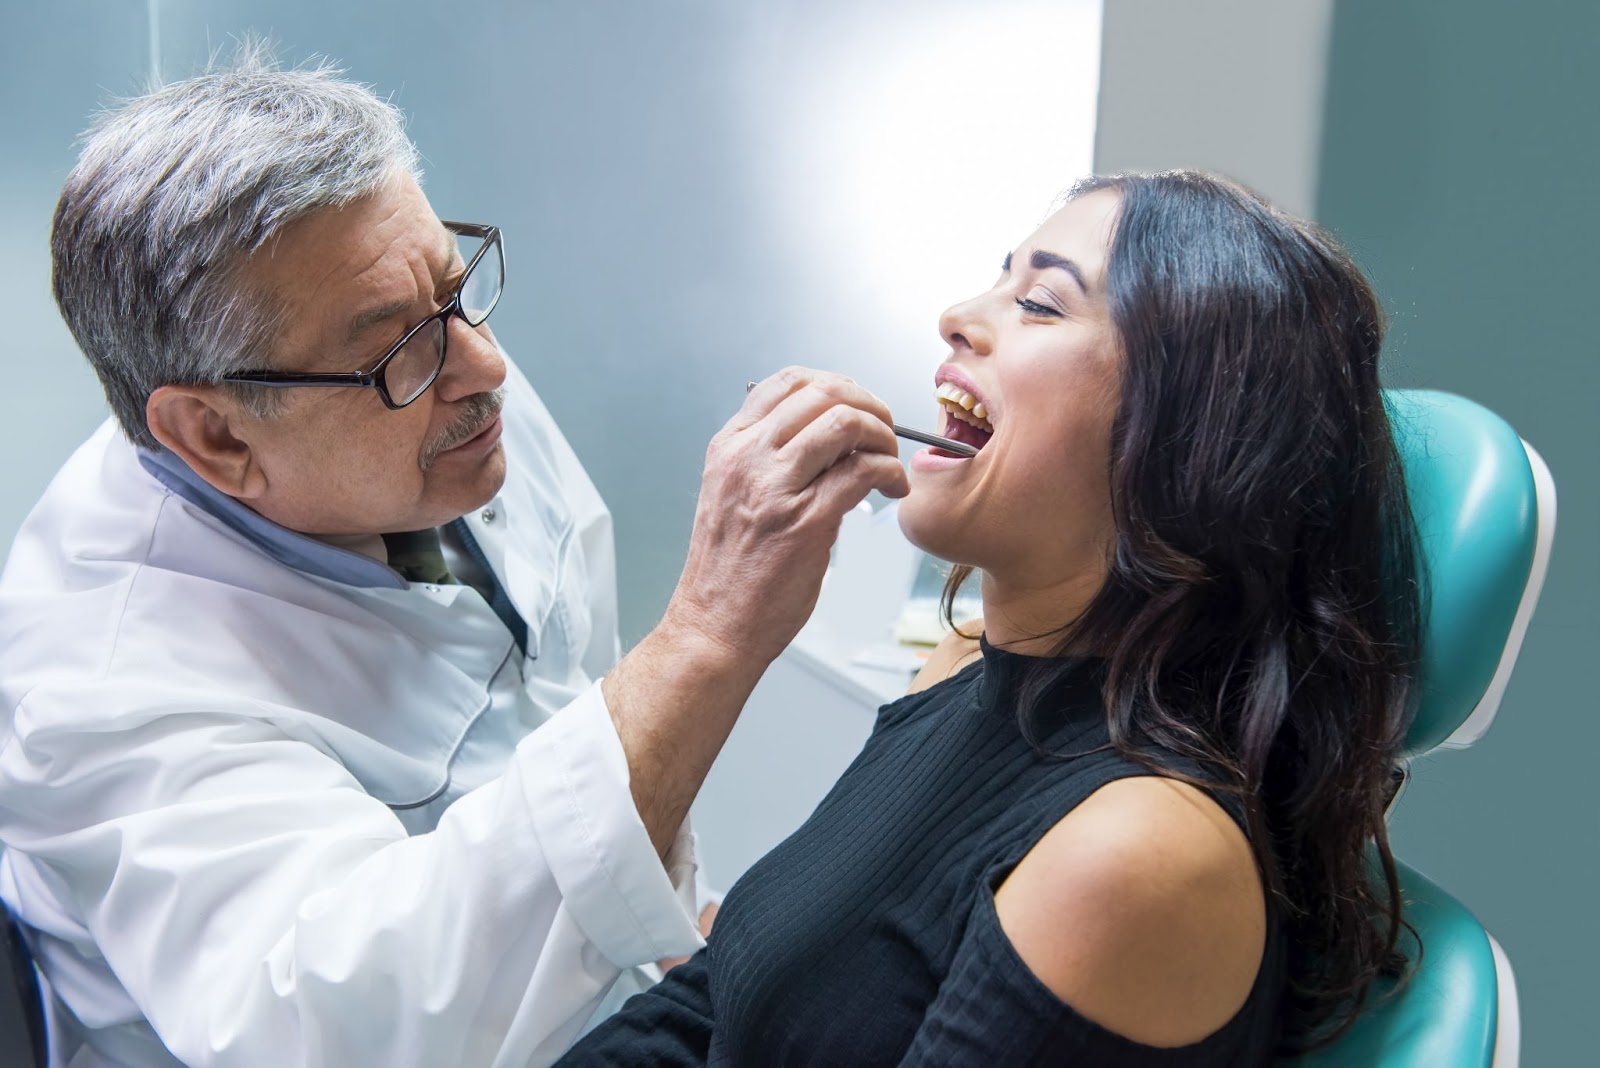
(1460, 160)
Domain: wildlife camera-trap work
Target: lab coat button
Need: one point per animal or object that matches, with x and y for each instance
(487, 515)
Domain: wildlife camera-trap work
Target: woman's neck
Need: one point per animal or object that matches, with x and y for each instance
(1030, 617)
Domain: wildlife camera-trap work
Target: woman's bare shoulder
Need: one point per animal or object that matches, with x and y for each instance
(1143, 910)
(953, 653)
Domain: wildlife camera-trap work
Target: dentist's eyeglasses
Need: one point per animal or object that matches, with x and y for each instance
(407, 370)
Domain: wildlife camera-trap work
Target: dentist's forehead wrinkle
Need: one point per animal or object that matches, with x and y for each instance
(370, 317)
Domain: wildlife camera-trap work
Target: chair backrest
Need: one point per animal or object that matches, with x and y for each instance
(1485, 509)
(1449, 1011)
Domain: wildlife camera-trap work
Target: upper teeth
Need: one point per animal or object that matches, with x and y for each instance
(953, 396)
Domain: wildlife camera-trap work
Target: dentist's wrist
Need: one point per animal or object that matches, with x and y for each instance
(689, 633)
(673, 700)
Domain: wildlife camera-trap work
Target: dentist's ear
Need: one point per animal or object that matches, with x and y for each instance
(200, 425)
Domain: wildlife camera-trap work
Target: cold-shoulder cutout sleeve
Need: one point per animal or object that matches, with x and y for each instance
(991, 1009)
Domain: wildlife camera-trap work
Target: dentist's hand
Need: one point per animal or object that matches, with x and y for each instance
(804, 450)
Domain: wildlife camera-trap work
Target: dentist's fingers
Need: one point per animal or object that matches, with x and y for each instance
(834, 436)
(803, 407)
(847, 483)
(804, 449)
(784, 404)
(761, 397)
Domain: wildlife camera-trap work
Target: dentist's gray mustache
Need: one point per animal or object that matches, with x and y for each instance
(477, 412)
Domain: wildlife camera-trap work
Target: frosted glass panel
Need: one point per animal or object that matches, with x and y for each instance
(57, 62)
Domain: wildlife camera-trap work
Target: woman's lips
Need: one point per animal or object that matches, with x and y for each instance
(936, 460)
(951, 376)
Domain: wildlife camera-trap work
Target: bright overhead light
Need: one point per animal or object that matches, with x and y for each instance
(933, 144)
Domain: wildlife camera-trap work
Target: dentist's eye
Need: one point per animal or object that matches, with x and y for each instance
(1033, 307)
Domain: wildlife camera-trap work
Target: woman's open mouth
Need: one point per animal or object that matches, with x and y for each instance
(965, 419)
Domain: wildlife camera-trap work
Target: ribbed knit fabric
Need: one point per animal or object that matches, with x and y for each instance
(869, 937)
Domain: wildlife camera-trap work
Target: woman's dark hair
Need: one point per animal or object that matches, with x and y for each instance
(1261, 614)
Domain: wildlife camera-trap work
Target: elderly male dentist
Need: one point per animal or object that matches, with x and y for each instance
(303, 756)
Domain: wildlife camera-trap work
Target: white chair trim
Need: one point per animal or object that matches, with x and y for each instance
(1508, 1017)
(1474, 726)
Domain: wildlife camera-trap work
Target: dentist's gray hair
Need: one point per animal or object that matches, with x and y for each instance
(175, 189)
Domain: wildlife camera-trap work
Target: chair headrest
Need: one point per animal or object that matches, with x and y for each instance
(1485, 510)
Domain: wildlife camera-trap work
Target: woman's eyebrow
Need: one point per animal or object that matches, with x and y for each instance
(1042, 260)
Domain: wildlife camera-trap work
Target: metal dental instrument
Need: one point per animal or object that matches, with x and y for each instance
(947, 444)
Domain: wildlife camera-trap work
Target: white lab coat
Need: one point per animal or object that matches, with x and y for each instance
(231, 788)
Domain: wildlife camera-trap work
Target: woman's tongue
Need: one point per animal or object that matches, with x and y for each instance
(960, 430)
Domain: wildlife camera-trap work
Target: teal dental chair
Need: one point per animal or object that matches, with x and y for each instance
(1485, 506)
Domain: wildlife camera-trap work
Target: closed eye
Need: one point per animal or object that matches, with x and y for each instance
(1033, 307)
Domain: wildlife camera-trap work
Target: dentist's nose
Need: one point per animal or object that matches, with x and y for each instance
(965, 327)
(472, 364)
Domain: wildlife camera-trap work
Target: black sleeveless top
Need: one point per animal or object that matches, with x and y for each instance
(869, 936)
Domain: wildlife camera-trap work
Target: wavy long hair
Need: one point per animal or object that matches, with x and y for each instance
(1262, 611)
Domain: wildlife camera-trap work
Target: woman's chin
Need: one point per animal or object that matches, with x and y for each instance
(930, 527)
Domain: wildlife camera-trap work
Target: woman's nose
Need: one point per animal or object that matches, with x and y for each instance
(472, 362)
(965, 326)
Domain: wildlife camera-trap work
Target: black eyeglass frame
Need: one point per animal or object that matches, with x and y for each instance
(374, 378)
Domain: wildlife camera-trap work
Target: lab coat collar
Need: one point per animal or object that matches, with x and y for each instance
(288, 547)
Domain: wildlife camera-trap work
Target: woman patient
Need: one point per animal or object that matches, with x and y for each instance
(1131, 825)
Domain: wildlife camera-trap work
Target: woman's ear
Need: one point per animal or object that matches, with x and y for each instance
(199, 424)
